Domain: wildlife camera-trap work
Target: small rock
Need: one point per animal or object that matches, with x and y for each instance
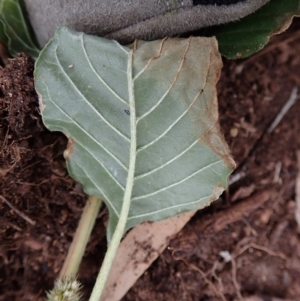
(234, 132)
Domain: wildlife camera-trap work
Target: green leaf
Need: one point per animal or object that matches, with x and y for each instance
(15, 31)
(142, 121)
(249, 35)
(3, 36)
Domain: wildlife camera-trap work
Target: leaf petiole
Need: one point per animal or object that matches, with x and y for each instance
(81, 238)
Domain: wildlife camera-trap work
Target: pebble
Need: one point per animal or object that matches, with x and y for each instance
(234, 132)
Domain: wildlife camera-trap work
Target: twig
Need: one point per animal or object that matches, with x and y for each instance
(297, 198)
(235, 283)
(253, 231)
(276, 178)
(10, 224)
(33, 184)
(214, 274)
(263, 298)
(238, 211)
(262, 248)
(204, 276)
(227, 257)
(21, 214)
(291, 101)
(244, 164)
(210, 283)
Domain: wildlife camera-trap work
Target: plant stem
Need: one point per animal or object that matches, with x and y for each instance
(81, 238)
(120, 228)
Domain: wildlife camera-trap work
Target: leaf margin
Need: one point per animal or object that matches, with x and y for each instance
(237, 49)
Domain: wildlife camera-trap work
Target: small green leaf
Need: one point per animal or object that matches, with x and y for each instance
(15, 31)
(142, 121)
(249, 35)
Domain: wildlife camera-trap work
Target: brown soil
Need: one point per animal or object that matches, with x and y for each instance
(253, 222)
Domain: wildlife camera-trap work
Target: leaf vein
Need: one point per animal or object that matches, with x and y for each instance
(172, 125)
(121, 47)
(98, 75)
(168, 208)
(176, 183)
(152, 59)
(86, 101)
(170, 87)
(81, 128)
(103, 166)
(84, 170)
(166, 163)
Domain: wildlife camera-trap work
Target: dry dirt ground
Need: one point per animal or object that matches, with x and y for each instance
(246, 246)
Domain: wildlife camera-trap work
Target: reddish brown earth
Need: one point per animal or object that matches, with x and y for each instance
(253, 222)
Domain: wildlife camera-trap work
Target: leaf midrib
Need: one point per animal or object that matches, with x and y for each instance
(133, 146)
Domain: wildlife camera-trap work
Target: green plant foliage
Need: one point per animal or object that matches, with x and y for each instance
(247, 36)
(15, 31)
(142, 121)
